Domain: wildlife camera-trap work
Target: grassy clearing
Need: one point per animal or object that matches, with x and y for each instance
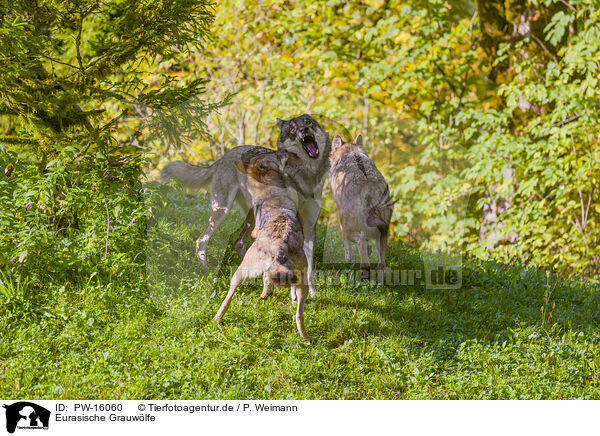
(509, 332)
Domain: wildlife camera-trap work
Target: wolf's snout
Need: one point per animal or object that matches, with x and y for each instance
(304, 131)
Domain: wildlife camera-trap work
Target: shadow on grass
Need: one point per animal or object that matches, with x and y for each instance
(493, 301)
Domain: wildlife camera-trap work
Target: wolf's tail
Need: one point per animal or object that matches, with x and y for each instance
(283, 273)
(192, 176)
(374, 220)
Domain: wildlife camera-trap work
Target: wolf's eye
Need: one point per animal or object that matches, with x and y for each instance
(262, 166)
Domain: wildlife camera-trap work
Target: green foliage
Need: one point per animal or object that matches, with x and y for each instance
(509, 332)
(464, 106)
(450, 96)
(547, 130)
(69, 222)
(80, 95)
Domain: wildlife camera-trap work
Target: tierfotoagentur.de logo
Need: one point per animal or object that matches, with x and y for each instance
(25, 415)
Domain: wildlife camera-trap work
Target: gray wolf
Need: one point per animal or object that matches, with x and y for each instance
(308, 147)
(278, 251)
(362, 198)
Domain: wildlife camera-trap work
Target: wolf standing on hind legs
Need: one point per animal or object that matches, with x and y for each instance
(278, 251)
(308, 147)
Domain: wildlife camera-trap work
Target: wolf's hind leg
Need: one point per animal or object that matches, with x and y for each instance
(244, 233)
(236, 280)
(364, 257)
(302, 291)
(381, 250)
(348, 254)
(267, 286)
(252, 266)
(220, 204)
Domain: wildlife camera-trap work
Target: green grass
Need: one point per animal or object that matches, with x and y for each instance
(510, 332)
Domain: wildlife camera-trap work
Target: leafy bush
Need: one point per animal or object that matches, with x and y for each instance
(450, 96)
(80, 95)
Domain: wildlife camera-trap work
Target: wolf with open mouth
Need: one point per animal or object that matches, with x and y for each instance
(307, 167)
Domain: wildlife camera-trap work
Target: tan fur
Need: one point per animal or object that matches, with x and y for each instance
(362, 198)
(278, 251)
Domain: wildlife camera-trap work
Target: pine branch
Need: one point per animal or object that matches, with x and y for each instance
(10, 139)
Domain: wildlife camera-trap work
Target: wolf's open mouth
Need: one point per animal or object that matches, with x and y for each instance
(310, 145)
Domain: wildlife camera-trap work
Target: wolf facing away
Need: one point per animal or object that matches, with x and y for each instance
(308, 147)
(278, 251)
(362, 198)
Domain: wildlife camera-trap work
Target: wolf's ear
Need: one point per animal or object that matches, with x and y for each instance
(282, 155)
(358, 140)
(337, 142)
(280, 123)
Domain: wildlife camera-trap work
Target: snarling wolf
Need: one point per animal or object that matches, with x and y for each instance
(307, 166)
(362, 198)
(278, 251)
